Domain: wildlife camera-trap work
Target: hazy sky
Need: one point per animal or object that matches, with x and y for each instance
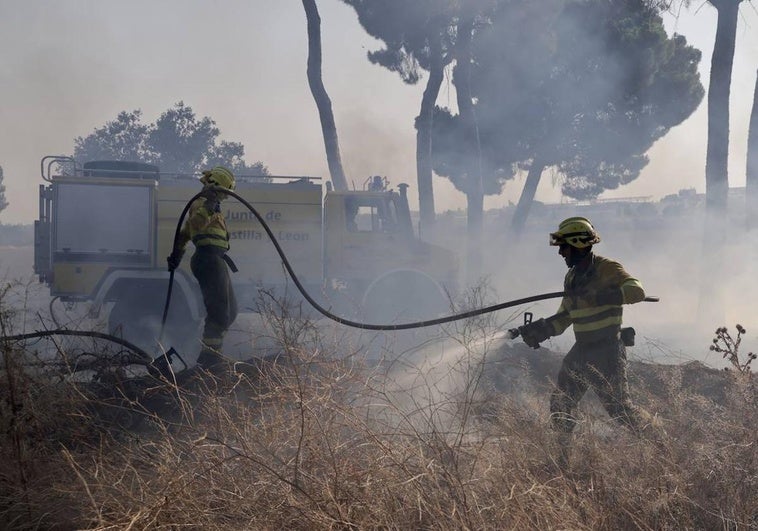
(68, 67)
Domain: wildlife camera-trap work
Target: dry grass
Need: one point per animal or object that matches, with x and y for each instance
(317, 439)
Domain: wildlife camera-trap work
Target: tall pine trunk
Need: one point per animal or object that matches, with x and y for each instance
(424, 123)
(751, 174)
(474, 185)
(3, 201)
(324, 104)
(722, 60)
(711, 307)
(527, 195)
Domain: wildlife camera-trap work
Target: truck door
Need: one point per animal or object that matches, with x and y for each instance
(361, 235)
(371, 251)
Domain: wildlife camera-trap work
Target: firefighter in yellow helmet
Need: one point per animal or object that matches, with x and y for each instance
(206, 227)
(595, 290)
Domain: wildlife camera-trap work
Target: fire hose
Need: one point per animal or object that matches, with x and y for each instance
(157, 365)
(325, 312)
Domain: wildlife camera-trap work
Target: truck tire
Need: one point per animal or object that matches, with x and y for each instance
(137, 318)
(402, 296)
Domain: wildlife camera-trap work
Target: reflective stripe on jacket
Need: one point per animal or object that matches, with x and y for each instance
(594, 323)
(204, 226)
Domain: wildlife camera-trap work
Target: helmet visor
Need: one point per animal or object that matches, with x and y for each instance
(557, 239)
(579, 240)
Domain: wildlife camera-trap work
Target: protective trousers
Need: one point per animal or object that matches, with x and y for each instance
(601, 365)
(212, 274)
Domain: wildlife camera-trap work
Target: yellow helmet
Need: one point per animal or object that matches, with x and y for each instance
(577, 232)
(219, 176)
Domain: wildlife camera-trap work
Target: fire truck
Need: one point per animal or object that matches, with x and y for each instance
(105, 229)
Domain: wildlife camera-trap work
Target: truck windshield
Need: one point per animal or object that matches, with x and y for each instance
(370, 214)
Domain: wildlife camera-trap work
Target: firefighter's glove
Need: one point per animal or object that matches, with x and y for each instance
(174, 259)
(535, 332)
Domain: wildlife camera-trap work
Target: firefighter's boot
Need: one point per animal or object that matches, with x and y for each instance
(210, 358)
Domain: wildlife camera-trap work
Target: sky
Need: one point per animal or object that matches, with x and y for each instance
(67, 68)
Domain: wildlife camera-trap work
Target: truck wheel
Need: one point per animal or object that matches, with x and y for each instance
(403, 296)
(138, 320)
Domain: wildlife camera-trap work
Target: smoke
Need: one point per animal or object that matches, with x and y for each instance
(67, 69)
(381, 150)
(666, 252)
(664, 249)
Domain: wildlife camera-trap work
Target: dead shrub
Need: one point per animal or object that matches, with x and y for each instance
(312, 437)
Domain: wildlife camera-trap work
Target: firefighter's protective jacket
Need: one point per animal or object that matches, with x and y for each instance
(205, 225)
(592, 322)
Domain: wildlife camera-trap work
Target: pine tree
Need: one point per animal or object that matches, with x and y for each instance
(3, 202)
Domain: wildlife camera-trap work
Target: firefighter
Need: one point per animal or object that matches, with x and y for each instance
(206, 227)
(595, 290)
